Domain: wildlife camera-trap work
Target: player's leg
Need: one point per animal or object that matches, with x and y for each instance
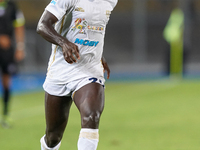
(6, 79)
(56, 113)
(90, 101)
(8, 68)
(6, 120)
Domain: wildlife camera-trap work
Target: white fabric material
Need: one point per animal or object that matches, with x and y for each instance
(85, 141)
(87, 31)
(70, 88)
(45, 147)
(58, 7)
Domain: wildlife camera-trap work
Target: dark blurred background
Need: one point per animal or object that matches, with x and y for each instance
(134, 42)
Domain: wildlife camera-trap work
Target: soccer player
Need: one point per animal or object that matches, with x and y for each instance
(11, 49)
(75, 69)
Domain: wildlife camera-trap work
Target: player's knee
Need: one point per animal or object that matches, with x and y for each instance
(53, 139)
(91, 120)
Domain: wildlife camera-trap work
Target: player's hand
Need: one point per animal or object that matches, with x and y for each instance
(70, 52)
(105, 66)
(5, 42)
(19, 55)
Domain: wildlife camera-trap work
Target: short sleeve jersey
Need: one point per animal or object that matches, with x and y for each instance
(87, 31)
(10, 17)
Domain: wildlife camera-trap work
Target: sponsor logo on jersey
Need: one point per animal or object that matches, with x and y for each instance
(54, 2)
(82, 24)
(86, 42)
(79, 9)
(95, 28)
(108, 13)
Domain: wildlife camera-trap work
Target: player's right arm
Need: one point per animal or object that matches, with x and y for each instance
(105, 67)
(19, 28)
(46, 29)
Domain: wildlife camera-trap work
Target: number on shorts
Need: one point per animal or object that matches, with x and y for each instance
(93, 80)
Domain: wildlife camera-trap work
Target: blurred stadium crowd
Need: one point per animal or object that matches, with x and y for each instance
(134, 39)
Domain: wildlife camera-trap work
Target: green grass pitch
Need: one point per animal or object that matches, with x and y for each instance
(143, 115)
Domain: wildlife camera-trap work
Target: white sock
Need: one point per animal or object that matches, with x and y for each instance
(45, 147)
(88, 139)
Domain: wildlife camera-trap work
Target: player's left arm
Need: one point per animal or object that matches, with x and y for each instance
(105, 66)
(19, 36)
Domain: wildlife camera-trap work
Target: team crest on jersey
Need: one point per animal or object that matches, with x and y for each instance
(81, 25)
(54, 2)
(79, 9)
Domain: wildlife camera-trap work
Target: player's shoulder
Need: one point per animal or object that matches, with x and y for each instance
(12, 4)
(68, 2)
(113, 2)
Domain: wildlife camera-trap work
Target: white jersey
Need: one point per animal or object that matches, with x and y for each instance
(87, 31)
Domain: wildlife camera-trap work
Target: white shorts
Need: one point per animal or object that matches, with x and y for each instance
(70, 88)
